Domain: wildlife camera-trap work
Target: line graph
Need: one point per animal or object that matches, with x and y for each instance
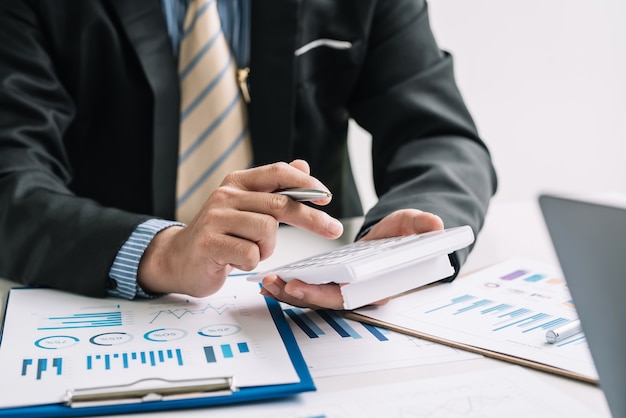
(179, 311)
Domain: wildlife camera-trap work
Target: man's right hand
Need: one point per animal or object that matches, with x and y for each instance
(235, 228)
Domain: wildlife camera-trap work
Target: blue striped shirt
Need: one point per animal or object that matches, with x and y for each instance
(126, 263)
(235, 19)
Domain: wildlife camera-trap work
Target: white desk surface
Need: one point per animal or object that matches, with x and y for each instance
(511, 229)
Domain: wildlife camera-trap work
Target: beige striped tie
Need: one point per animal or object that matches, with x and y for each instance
(214, 137)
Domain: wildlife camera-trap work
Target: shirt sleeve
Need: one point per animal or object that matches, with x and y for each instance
(124, 268)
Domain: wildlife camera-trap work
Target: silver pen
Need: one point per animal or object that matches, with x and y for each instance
(562, 332)
(302, 195)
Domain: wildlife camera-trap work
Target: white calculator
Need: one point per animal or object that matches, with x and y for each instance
(364, 260)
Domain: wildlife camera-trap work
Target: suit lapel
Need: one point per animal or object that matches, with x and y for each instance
(272, 78)
(144, 25)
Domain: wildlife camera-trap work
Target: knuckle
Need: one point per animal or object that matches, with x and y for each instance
(277, 170)
(232, 177)
(215, 218)
(268, 226)
(225, 192)
(280, 166)
(277, 203)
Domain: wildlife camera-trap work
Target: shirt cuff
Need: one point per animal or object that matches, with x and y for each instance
(124, 268)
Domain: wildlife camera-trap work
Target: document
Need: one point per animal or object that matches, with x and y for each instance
(503, 311)
(55, 344)
(333, 345)
(508, 391)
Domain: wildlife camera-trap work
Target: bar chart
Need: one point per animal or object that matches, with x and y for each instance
(520, 302)
(116, 361)
(37, 368)
(61, 341)
(337, 323)
(498, 317)
(83, 320)
(216, 353)
(332, 344)
(506, 309)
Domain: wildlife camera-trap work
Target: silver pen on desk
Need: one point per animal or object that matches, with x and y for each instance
(302, 195)
(560, 333)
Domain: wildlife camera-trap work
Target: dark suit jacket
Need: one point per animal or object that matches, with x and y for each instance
(89, 105)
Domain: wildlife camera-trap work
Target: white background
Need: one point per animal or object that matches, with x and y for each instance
(546, 84)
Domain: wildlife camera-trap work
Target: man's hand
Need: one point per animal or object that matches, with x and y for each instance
(295, 292)
(236, 228)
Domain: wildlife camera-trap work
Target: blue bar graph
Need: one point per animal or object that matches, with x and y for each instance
(42, 366)
(496, 308)
(227, 351)
(305, 323)
(535, 278)
(114, 361)
(456, 300)
(474, 305)
(25, 364)
(209, 354)
(57, 363)
(338, 324)
(517, 312)
(547, 325)
(342, 327)
(93, 320)
(376, 332)
(509, 308)
(524, 321)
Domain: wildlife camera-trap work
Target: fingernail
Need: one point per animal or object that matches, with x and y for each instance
(272, 288)
(296, 293)
(334, 227)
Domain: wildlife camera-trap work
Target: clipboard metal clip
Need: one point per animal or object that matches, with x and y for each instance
(150, 390)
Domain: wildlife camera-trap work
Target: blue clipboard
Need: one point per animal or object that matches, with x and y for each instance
(241, 395)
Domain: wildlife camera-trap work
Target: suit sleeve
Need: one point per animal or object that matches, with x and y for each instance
(49, 236)
(426, 151)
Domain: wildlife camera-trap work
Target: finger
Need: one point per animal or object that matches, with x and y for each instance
(224, 251)
(405, 222)
(271, 177)
(425, 222)
(290, 212)
(281, 208)
(257, 228)
(324, 295)
(301, 165)
(302, 294)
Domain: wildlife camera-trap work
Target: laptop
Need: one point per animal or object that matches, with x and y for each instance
(589, 239)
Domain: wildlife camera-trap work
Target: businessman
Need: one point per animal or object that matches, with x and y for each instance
(90, 127)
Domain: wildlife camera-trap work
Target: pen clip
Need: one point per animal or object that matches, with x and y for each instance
(149, 390)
